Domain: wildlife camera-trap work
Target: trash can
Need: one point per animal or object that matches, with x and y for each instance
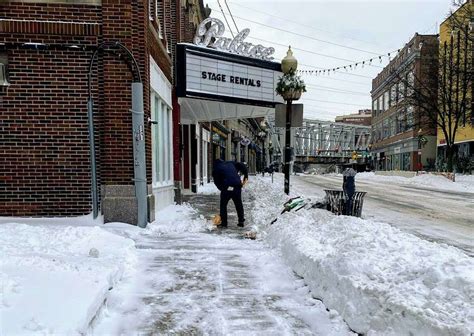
(336, 200)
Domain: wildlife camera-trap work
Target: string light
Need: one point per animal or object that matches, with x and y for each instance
(353, 66)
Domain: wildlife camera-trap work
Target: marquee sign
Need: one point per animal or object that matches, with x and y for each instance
(204, 35)
(208, 73)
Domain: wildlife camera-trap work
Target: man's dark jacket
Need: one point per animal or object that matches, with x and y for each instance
(225, 174)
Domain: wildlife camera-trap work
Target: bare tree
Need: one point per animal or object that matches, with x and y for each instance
(442, 94)
(463, 19)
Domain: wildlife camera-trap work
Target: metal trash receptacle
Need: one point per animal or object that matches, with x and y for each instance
(336, 200)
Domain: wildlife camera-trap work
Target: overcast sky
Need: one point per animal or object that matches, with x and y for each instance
(356, 30)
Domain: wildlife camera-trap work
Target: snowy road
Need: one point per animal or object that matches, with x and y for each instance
(428, 212)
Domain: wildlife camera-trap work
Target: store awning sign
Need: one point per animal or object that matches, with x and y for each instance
(210, 34)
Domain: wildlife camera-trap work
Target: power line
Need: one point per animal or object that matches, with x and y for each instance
(318, 54)
(318, 109)
(231, 16)
(335, 90)
(303, 50)
(314, 53)
(342, 92)
(310, 52)
(305, 36)
(300, 24)
(367, 62)
(225, 18)
(342, 80)
(333, 102)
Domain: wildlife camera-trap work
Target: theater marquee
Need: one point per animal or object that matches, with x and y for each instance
(217, 75)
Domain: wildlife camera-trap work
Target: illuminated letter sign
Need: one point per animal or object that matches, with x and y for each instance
(236, 45)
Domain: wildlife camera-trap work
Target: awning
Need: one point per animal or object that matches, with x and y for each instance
(198, 110)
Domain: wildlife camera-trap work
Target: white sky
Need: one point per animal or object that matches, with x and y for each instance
(375, 26)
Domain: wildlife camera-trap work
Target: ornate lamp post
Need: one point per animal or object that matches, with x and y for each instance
(421, 143)
(290, 88)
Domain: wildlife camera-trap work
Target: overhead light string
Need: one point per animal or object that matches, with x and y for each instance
(352, 66)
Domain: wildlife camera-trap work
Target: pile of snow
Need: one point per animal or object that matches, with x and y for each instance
(371, 176)
(176, 219)
(55, 278)
(464, 183)
(468, 179)
(208, 189)
(380, 279)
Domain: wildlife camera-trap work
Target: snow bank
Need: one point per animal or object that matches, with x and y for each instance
(464, 183)
(208, 189)
(380, 279)
(50, 283)
(176, 219)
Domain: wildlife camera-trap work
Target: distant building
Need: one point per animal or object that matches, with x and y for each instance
(401, 138)
(363, 117)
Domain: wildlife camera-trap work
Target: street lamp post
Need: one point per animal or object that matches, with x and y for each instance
(421, 143)
(288, 66)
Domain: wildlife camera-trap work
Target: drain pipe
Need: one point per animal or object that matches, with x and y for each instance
(139, 153)
(138, 127)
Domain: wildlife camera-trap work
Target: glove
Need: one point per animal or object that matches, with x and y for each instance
(216, 220)
(244, 182)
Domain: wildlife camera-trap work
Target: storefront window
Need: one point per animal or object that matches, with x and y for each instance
(406, 161)
(161, 142)
(396, 162)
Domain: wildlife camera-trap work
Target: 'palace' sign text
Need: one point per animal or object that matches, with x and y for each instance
(236, 45)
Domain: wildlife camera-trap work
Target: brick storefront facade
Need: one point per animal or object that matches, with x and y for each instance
(397, 126)
(44, 149)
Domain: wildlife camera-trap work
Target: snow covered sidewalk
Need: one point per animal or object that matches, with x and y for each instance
(192, 281)
(381, 280)
(50, 283)
(179, 277)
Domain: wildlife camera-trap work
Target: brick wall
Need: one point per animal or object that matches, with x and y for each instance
(44, 156)
(44, 165)
(44, 149)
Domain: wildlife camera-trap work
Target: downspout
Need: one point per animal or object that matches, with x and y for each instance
(138, 137)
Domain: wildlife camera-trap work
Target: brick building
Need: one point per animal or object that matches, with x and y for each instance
(46, 47)
(401, 137)
(362, 117)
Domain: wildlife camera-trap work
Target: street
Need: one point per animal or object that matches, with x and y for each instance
(432, 214)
